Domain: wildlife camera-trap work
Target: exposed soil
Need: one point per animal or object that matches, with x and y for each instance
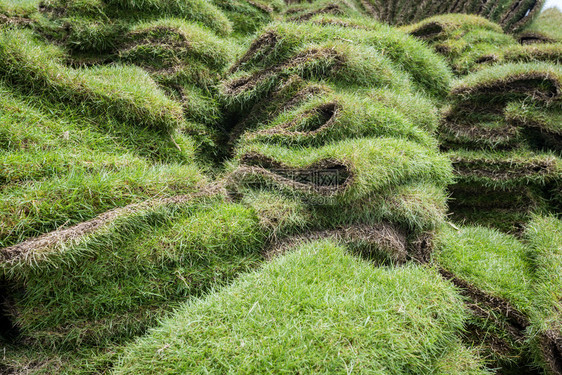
(326, 178)
(540, 86)
(551, 346)
(384, 237)
(324, 114)
(502, 169)
(314, 54)
(15, 20)
(8, 330)
(428, 31)
(334, 9)
(530, 37)
(551, 341)
(284, 105)
(265, 43)
(518, 322)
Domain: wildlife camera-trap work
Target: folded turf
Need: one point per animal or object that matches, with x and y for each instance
(249, 15)
(279, 41)
(512, 287)
(100, 11)
(331, 312)
(124, 92)
(116, 283)
(334, 117)
(168, 46)
(545, 26)
(336, 63)
(59, 167)
(539, 81)
(506, 169)
(343, 171)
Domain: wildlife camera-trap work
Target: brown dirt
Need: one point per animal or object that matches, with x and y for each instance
(266, 42)
(304, 94)
(261, 6)
(421, 247)
(529, 37)
(335, 9)
(518, 321)
(247, 82)
(428, 31)
(502, 169)
(530, 84)
(475, 336)
(551, 347)
(486, 59)
(520, 199)
(15, 20)
(305, 180)
(472, 133)
(382, 236)
(326, 112)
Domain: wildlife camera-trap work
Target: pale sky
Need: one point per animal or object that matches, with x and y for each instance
(553, 3)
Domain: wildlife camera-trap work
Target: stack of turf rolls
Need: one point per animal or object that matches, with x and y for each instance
(512, 15)
(77, 143)
(327, 123)
(471, 43)
(253, 186)
(544, 29)
(513, 286)
(502, 131)
(501, 125)
(108, 221)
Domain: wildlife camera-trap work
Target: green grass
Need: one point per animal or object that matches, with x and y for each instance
(548, 23)
(248, 16)
(303, 11)
(199, 11)
(475, 49)
(535, 115)
(340, 64)
(501, 169)
(30, 360)
(332, 313)
(174, 44)
(126, 93)
(420, 110)
(116, 284)
(36, 207)
(33, 125)
(334, 117)
(492, 261)
(58, 168)
(544, 236)
(279, 41)
(523, 272)
(547, 52)
(19, 8)
(501, 83)
(450, 26)
(415, 207)
(128, 108)
(507, 209)
(364, 167)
